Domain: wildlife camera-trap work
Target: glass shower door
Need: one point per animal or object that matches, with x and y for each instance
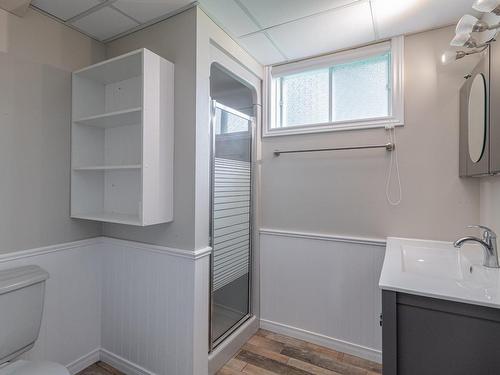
(231, 192)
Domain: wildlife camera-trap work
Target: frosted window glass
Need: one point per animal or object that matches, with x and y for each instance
(360, 89)
(305, 98)
(227, 123)
(235, 124)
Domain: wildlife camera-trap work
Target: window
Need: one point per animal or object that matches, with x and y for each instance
(356, 89)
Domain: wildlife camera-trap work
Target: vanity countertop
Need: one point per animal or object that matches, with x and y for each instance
(438, 270)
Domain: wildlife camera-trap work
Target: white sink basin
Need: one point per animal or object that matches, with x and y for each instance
(437, 269)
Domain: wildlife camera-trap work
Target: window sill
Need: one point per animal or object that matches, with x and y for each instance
(332, 127)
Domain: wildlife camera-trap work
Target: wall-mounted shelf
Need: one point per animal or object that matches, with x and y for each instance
(109, 120)
(107, 167)
(122, 140)
(111, 218)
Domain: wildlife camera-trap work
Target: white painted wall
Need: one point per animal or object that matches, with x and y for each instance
(37, 55)
(323, 289)
(490, 203)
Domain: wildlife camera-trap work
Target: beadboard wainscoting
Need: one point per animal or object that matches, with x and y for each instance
(150, 307)
(323, 289)
(139, 307)
(70, 333)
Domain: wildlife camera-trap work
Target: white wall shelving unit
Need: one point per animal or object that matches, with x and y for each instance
(122, 140)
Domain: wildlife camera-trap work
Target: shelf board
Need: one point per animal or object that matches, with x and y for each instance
(126, 117)
(108, 217)
(107, 167)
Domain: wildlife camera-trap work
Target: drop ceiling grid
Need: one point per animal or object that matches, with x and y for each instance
(276, 33)
(123, 16)
(252, 18)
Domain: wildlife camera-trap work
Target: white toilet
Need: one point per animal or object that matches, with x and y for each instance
(22, 292)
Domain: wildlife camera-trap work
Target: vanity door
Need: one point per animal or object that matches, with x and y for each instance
(474, 122)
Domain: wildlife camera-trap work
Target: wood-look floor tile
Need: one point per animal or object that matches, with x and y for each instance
(310, 367)
(269, 364)
(236, 364)
(285, 340)
(109, 368)
(95, 370)
(255, 370)
(266, 343)
(363, 363)
(320, 360)
(228, 371)
(266, 353)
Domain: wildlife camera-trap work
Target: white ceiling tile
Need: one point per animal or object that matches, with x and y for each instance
(396, 17)
(230, 16)
(104, 24)
(341, 28)
(65, 9)
(273, 12)
(147, 10)
(261, 48)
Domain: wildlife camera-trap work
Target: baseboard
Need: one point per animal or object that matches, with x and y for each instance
(228, 349)
(122, 364)
(83, 362)
(329, 342)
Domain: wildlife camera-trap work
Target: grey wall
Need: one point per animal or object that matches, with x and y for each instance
(184, 40)
(344, 193)
(175, 40)
(37, 56)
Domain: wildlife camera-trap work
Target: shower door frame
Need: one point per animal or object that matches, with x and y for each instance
(214, 105)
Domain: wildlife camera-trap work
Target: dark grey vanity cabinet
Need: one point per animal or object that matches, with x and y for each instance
(427, 336)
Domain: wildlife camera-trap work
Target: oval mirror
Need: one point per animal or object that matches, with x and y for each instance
(477, 118)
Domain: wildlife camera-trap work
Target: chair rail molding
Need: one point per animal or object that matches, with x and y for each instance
(324, 237)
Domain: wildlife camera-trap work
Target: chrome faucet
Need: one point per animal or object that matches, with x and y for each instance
(489, 244)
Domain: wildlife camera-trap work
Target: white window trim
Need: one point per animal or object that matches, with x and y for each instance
(397, 108)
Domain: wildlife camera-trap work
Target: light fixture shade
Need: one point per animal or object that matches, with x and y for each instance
(466, 24)
(460, 40)
(485, 6)
(448, 57)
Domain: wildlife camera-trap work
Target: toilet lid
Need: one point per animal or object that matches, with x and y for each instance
(33, 368)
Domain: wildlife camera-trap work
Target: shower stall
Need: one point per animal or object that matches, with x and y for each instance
(231, 220)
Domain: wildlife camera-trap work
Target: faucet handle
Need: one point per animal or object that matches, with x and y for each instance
(488, 233)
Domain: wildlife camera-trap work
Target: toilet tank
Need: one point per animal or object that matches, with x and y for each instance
(22, 292)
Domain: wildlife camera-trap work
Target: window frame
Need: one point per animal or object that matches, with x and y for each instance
(396, 102)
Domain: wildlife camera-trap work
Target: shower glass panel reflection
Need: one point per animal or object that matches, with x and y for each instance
(232, 134)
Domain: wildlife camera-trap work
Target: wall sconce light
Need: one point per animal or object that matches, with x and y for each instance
(487, 6)
(467, 41)
(470, 24)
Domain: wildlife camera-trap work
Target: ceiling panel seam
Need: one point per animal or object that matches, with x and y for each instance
(90, 11)
(375, 27)
(259, 26)
(65, 23)
(332, 10)
(152, 22)
(124, 14)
